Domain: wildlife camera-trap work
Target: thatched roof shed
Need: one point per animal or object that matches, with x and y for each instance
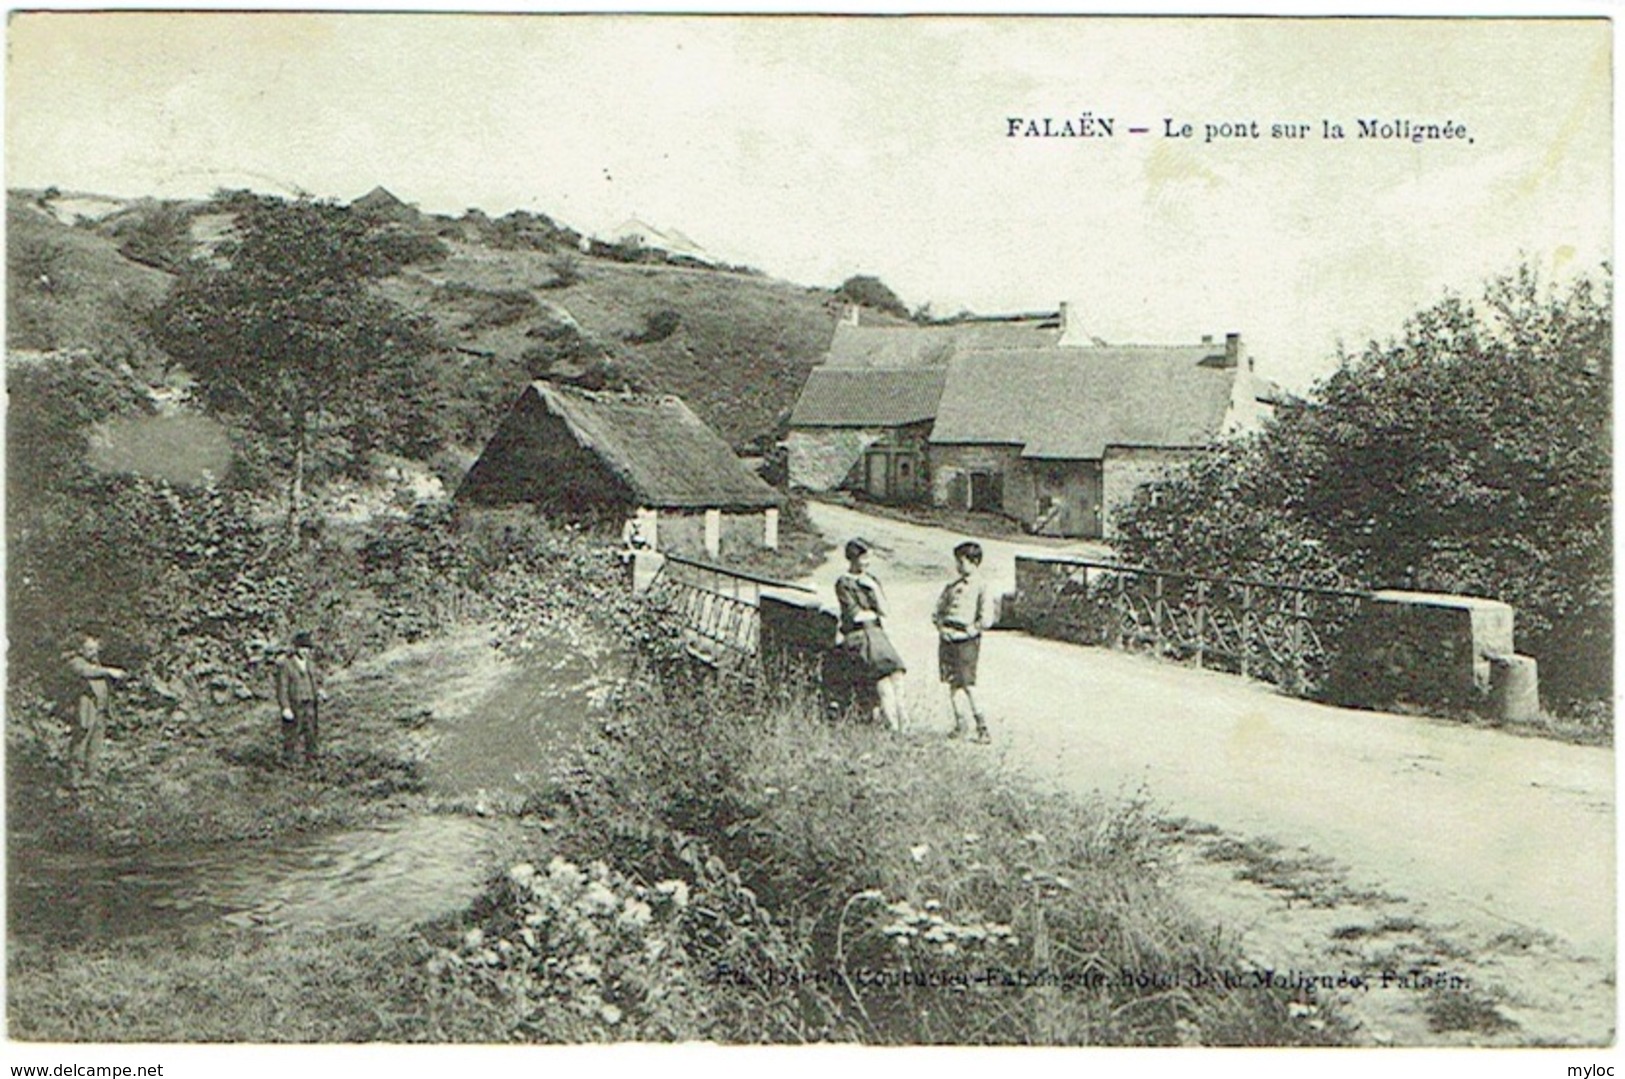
(576, 453)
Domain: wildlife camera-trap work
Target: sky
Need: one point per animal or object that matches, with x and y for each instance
(818, 147)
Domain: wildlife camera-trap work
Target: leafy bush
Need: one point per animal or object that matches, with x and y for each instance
(398, 247)
(1471, 455)
(868, 291)
(566, 270)
(657, 326)
(576, 954)
(159, 235)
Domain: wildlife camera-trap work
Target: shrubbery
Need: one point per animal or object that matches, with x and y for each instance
(1471, 455)
(869, 291)
(813, 882)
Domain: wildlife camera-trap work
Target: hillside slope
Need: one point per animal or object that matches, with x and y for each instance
(70, 288)
(736, 346)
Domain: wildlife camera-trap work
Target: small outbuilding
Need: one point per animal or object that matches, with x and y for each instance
(604, 458)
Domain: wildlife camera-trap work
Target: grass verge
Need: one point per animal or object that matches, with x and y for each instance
(838, 883)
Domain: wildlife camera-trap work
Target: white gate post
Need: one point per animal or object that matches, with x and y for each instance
(713, 532)
(770, 528)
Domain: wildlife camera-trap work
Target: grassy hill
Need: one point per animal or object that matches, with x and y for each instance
(735, 345)
(70, 288)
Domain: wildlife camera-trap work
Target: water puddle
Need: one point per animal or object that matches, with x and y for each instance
(392, 875)
(513, 737)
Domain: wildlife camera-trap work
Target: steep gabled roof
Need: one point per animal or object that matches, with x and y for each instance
(665, 455)
(671, 241)
(1071, 403)
(381, 202)
(868, 397)
(933, 345)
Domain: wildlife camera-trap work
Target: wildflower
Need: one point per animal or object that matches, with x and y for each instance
(635, 913)
(611, 1014)
(770, 791)
(1037, 839)
(474, 938)
(677, 890)
(598, 899)
(932, 904)
(919, 852)
(563, 872)
(973, 837)
(522, 873)
(1299, 1011)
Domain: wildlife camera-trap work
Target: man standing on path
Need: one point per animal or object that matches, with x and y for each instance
(298, 694)
(90, 716)
(960, 618)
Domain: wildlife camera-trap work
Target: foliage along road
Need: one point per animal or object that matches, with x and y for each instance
(1484, 832)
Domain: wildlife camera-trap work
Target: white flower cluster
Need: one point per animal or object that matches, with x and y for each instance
(586, 940)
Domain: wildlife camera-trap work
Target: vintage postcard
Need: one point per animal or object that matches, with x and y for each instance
(1065, 530)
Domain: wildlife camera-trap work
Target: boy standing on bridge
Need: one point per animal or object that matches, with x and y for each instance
(960, 618)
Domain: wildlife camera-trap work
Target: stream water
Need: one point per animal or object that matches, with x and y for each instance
(390, 875)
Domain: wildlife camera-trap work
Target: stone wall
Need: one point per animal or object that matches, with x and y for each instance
(952, 464)
(683, 533)
(1424, 649)
(1125, 471)
(823, 458)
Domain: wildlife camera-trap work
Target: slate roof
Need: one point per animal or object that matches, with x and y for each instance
(868, 397)
(1071, 403)
(660, 449)
(933, 346)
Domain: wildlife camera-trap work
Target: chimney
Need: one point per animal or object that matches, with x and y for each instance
(1207, 339)
(1232, 350)
(1071, 329)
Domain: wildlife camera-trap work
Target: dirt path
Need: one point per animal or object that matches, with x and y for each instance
(1436, 846)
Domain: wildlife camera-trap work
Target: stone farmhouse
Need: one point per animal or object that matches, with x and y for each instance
(864, 417)
(1026, 417)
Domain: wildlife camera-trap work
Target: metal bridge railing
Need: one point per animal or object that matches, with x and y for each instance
(1285, 634)
(718, 609)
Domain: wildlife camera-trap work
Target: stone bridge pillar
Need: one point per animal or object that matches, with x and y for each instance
(1431, 649)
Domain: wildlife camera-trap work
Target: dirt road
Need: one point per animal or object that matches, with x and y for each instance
(1503, 843)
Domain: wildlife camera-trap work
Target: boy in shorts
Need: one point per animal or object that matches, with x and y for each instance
(960, 618)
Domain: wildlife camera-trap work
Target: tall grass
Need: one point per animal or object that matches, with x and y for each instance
(850, 885)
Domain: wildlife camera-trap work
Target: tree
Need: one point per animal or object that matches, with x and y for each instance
(1469, 455)
(288, 338)
(869, 291)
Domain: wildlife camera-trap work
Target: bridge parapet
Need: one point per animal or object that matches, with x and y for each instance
(1441, 653)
